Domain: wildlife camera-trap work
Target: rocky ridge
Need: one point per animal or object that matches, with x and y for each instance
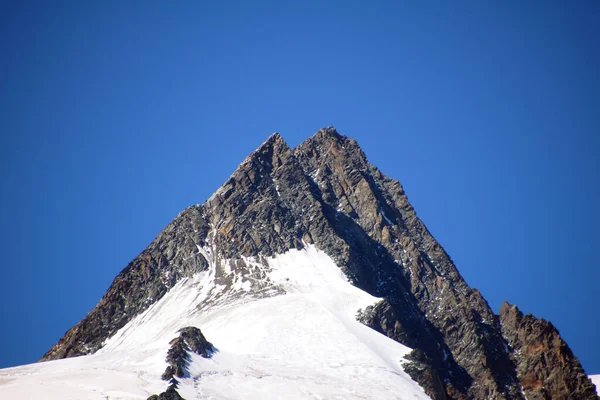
(324, 192)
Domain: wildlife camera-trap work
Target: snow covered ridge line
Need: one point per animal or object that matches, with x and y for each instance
(302, 342)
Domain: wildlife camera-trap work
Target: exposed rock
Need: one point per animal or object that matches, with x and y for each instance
(546, 367)
(190, 339)
(169, 394)
(324, 192)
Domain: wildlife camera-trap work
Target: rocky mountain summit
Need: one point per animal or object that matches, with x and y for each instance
(325, 193)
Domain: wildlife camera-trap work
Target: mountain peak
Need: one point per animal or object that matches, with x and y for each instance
(329, 135)
(324, 196)
(506, 307)
(274, 143)
(327, 148)
(274, 138)
(330, 131)
(271, 153)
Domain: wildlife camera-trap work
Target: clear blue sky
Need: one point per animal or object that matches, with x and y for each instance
(116, 117)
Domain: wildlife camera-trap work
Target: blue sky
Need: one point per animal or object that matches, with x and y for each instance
(116, 117)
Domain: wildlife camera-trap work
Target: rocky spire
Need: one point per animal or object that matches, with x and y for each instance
(269, 153)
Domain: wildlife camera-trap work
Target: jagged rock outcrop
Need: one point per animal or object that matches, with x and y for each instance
(546, 367)
(190, 339)
(325, 192)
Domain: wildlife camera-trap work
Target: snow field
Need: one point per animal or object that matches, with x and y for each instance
(304, 344)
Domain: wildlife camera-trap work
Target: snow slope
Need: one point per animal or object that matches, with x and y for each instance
(596, 381)
(298, 340)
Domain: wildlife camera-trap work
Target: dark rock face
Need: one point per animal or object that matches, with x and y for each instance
(546, 367)
(324, 192)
